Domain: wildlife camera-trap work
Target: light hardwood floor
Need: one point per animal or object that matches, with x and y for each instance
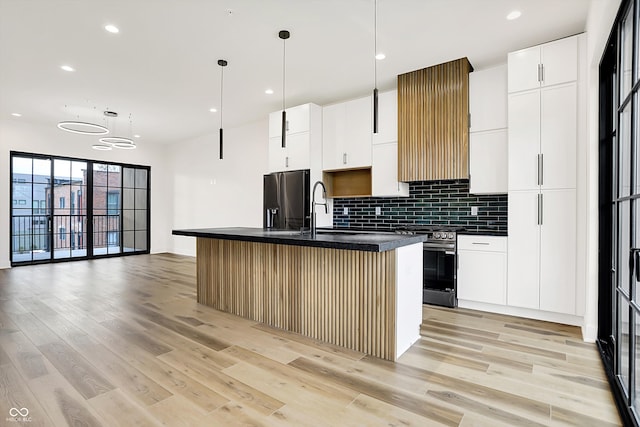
(122, 341)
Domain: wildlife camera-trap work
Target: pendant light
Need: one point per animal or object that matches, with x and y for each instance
(284, 35)
(375, 66)
(222, 63)
(82, 127)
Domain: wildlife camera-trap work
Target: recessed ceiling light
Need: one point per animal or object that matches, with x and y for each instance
(112, 29)
(514, 15)
(16, 114)
(269, 91)
(381, 56)
(213, 110)
(136, 136)
(67, 68)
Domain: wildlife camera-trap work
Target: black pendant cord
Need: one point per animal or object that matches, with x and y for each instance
(375, 66)
(284, 35)
(222, 64)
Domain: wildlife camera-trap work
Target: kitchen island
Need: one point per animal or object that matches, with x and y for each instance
(362, 291)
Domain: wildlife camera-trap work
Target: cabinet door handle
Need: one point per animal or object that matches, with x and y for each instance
(344, 158)
(541, 168)
(538, 208)
(538, 160)
(286, 162)
(480, 243)
(542, 73)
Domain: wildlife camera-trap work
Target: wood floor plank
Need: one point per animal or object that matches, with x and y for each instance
(223, 384)
(116, 409)
(63, 404)
(397, 398)
(135, 337)
(24, 355)
(177, 411)
(14, 396)
(80, 374)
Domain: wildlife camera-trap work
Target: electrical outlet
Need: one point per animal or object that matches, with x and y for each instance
(345, 211)
(378, 210)
(474, 210)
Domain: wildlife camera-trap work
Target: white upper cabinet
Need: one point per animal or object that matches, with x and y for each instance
(549, 64)
(303, 142)
(387, 118)
(347, 134)
(384, 173)
(488, 164)
(297, 120)
(488, 99)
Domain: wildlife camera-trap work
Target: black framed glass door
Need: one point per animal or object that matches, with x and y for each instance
(65, 208)
(619, 212)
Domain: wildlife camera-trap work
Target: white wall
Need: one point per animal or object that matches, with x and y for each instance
(602, 13)
(18, 135)
(207, 192)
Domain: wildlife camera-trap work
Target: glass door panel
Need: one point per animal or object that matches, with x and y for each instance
(30, 216)
(69, 209)
(107, 203)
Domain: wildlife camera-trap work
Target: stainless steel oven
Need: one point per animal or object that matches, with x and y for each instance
(439, 265)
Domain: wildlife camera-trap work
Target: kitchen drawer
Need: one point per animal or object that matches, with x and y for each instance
(482, 243)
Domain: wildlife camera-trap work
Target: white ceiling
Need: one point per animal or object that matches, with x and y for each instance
(162, 66)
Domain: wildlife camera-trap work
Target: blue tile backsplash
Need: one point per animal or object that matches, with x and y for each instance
(429, 203)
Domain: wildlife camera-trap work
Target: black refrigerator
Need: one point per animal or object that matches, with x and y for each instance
(286, 202)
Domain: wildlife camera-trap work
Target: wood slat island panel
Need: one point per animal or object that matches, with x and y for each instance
(342, 297)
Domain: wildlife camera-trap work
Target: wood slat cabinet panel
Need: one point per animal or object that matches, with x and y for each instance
(433, 122)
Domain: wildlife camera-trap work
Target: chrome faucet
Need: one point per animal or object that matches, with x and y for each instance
(313, 205)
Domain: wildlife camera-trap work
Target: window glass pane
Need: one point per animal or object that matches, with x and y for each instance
(626, 54)
(623, 343)
(22, 169)
(128, 178)
(61, 170)
(128, 195)
(141, 240)
(113, 202)
(141, 199)
(99, 175)
(115, 180)
(141, 178)
(128, 219)
(42, 171)
(624, 155)
(128, 241)
(141, 219)
(624, 237)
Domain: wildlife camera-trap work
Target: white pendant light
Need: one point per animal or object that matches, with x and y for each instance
(121, 142)
(82, 127)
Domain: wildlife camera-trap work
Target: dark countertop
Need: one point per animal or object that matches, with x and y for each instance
(484, 232)
(355, 241)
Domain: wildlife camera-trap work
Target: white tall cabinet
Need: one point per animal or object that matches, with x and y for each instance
(543, 122)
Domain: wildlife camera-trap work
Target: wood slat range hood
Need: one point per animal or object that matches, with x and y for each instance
(433, 122)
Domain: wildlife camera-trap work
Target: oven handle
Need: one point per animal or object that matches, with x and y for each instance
(440, 247)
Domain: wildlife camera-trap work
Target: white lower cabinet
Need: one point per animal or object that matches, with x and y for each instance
(482, 269)
(384, 173)
(542, 250)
